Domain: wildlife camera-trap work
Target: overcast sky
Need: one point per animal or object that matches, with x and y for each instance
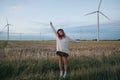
(26, 16)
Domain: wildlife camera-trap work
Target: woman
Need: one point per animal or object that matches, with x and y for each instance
(62, 48)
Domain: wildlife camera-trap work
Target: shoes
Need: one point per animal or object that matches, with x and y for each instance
(65, 73)
(61, 74)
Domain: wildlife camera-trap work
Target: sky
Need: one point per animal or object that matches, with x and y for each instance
(33, 16)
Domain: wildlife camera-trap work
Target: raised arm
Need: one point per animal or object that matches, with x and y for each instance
(53, 28)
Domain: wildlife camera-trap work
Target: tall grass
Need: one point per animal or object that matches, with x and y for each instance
(93, 61)
(47, 69)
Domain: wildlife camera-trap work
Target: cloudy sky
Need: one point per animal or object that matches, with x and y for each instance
(33, 16)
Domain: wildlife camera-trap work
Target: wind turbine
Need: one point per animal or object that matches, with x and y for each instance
(7, 25)
(98, 14)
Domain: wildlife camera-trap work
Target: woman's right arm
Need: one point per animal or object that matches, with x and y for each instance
(53, 28)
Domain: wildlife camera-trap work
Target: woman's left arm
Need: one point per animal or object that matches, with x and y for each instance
(72, 39)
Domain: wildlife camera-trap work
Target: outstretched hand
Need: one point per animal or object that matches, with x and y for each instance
(51, 23)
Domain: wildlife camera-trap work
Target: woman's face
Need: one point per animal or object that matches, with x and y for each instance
(61, 33)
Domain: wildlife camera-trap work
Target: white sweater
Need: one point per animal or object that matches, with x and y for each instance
(61, 44)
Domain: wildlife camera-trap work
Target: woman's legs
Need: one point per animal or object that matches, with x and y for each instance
(65, 63)
(60, 66)
(65, 66)
(60, 63)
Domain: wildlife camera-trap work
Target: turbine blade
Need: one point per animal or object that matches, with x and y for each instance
(3, 28)
(7, 20)
(91, 13)
(10, 25)
(104, 15)
(99, 5)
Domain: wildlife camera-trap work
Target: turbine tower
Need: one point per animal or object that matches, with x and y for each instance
(7, 25)
(98, 14)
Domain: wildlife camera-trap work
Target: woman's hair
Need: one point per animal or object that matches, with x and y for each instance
(61, 36)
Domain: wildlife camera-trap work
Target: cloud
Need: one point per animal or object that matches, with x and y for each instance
(16, 9)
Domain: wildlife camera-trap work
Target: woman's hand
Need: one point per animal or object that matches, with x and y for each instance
(53, 28)
(51, 24)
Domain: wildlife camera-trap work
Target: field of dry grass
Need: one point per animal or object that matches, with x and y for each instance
(47, 49)
(36, 60)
